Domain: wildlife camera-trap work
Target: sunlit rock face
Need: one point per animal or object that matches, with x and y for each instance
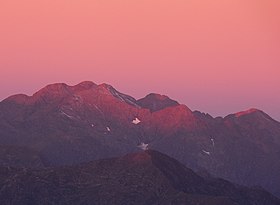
(67, 125)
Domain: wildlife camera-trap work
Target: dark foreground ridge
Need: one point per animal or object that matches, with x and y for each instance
(146, 178)
(68, 125)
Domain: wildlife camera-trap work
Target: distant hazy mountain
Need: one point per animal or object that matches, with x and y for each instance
(67, 125)
(141, 178)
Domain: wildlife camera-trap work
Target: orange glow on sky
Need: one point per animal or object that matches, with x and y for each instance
(218, 56)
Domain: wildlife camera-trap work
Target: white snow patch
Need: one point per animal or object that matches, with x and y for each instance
(116, 94)
(108, 129)
(69, 116)
(136, 121)
(123, 97)
(208, 153)
(213, 142)
(133, 103)
(143, 146)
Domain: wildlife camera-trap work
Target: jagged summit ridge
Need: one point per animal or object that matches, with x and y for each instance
(62, 90)
(73, 124)
(153, 101)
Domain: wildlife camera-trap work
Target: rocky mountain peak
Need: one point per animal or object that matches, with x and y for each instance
(85, 85)
(156, 102)
(251, 111)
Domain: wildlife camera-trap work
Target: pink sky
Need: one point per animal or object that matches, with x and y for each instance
(217, 56)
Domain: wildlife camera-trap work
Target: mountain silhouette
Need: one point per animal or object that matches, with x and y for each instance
(146, 178)
(68, 125)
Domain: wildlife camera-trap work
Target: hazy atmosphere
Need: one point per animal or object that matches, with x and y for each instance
(216, 56)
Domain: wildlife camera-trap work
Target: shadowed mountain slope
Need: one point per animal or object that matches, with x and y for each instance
(68, 125)
(141, 178)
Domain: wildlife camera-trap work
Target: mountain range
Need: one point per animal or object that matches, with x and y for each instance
(139, 178)
(62, 125)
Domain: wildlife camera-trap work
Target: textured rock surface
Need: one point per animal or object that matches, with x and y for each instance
(67, 125)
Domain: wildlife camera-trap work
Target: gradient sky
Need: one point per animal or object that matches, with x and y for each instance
(217, 56)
